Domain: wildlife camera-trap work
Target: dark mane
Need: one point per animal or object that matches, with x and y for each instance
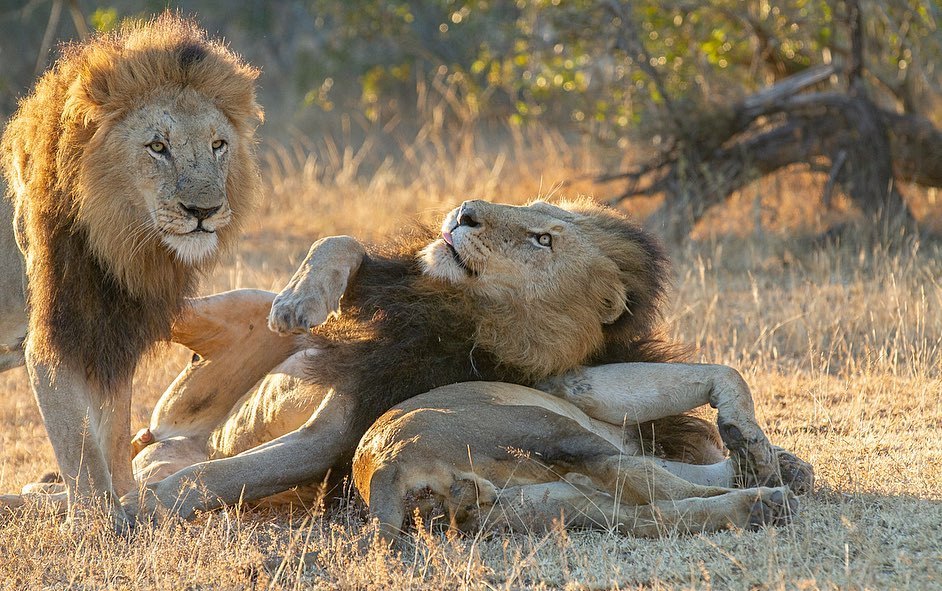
(91, 315)
(413, 333)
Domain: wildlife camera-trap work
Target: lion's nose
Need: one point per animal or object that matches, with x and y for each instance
(468, 216)
(200, 213)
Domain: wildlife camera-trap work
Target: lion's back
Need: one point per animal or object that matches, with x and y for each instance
(29, 142)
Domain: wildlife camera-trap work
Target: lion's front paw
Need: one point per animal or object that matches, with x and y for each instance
(787, 470)
(796, 474)
(751, 453)
(295, 311)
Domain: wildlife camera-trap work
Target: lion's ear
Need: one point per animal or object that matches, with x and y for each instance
(614, 305)
(90, 96)
(85, 101)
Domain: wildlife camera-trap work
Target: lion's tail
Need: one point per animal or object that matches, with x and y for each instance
(683, 438)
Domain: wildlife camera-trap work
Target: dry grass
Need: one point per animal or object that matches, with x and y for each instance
(842, 344)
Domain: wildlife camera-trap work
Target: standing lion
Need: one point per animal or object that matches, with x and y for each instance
(130, 166)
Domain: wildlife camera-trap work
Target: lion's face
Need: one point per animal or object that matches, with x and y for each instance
(172, 158)
(538, 252)
(487, 242)
(550, 286)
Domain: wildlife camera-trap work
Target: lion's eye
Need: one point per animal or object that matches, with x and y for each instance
(545, 240)
(157, 147)
(219, 145)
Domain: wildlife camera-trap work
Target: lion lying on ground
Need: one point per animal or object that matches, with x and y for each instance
(521, 295)
(130, 166)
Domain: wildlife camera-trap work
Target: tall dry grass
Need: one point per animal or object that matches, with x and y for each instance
(841, 340)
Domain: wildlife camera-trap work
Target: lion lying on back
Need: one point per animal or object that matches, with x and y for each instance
(559, 298)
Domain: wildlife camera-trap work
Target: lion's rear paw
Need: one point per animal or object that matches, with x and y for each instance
(772, 507)
(752, 455)
(472, 492)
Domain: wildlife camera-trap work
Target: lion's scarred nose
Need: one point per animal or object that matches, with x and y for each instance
(200, 213)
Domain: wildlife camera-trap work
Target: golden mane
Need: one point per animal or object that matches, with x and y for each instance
(112, 74)
(95, 289)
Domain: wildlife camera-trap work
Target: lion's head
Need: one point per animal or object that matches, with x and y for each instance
(169, 117)
(154, 150)
(556, 284)
(174, 156)
(131, 165)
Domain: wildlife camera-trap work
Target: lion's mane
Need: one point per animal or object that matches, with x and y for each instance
(98, 295)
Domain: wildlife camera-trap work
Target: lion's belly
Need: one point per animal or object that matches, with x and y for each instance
(280, 403)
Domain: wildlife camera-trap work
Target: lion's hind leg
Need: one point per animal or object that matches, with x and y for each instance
(50, 493)
(387, 502)
(165, 457)
(576, 503)
(233, 351)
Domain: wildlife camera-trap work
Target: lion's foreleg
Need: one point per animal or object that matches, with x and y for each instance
(55, 501)
(638, 480)
(541, 507)
(578, 502)
(115, 437)
(315, 290)
(719, 474)
(81, 422)
(639, 392)
(623, 393)
(750, 508)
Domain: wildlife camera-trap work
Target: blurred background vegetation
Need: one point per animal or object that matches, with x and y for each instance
(653, 82)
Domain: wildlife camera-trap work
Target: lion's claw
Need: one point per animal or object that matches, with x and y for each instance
(796, 474)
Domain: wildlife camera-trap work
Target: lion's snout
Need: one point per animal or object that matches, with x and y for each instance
(200, 213)
(199, 206)
(469, 214)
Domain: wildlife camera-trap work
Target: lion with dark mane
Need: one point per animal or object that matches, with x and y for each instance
(502, 300)
(130, 167)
